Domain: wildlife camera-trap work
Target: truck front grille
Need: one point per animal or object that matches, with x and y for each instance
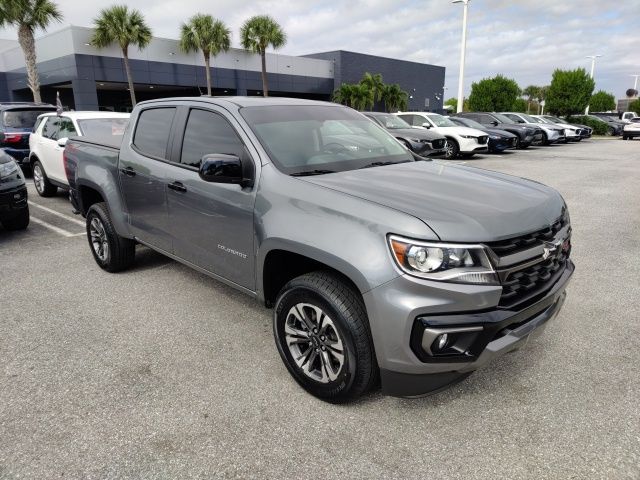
(524, 282)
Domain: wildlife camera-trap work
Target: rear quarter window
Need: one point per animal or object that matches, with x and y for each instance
(153, 130)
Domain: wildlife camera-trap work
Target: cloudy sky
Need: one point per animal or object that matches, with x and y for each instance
(523, 39)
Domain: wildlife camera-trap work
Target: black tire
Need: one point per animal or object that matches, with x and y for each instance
(347, 317)
(40, 180)
(120, 251)
(545, 139)
(520, 145)
(451, 149)
(624, 137)
(19, 222)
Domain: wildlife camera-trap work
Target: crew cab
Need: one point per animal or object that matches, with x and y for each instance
(461, 141)
(50, 134)
(379, 265)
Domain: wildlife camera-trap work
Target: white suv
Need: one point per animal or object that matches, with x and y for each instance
(463, 141)
(631, 129)
(50, 135)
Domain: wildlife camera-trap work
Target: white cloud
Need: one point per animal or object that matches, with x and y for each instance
(523, 39)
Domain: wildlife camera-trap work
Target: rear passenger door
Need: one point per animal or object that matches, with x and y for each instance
(47, 144)
(143, 176)
(211, 223)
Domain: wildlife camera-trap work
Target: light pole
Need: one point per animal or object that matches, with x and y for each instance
(593, 66)
(463, 47)
(635, 83)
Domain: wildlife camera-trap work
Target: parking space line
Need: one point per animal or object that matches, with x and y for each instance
(58, 214)
(53, 228)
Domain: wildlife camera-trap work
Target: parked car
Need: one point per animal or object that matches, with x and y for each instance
(585, 130)
(614, 125)
(550, 133)
(462, 141)
(418, 140)
(377, 266)
(622, 117)
(16, 125)
(627, 117)
(50, 134)
(14, 209)
(572, 133)
(631, 129)
(527, 134)
(499, 140)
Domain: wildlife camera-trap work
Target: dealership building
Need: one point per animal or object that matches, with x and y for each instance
(90, 79)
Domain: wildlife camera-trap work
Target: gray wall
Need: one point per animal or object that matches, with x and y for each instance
(420, 80)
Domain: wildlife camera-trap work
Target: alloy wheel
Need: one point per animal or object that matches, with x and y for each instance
(38, 178)
(314, 342)
(99, 240)
(448, 148)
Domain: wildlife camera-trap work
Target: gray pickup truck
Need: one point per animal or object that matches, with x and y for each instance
(380, 266)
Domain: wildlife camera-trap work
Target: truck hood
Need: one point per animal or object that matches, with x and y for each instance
(459, 203)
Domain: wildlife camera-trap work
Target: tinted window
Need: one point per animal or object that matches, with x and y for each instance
(21, 118)
(207, 133)
(153, 130)
(50, 129)
(66, 128)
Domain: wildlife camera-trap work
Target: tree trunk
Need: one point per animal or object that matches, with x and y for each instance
(208, 71)
(125, 55)
(25, 38)
(265, 86)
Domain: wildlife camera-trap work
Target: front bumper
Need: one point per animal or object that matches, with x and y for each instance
(631, 133)
(12, 202)
(400, 311)
(471, 145)
(502, 144)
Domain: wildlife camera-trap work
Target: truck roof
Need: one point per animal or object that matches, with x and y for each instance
(256, 101)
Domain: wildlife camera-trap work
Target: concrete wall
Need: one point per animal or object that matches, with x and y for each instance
(422, 81)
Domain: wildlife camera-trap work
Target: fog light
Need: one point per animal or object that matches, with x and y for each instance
(442, 341)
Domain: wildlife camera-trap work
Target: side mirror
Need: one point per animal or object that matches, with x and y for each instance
(62, 141)
(494, 123)
(520, 121)
(426, 125)
(222, 168)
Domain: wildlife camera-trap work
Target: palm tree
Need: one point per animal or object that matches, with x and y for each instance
(361, 97)
(531, 92)
(125, 27)
(257, 34)
(207, 34)
(394, 98)
(343, 94)
(375, 84)
(27, 16)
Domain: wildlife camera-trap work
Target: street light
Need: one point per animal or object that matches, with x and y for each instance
(593, 66)
(463, 47)
(635, 83)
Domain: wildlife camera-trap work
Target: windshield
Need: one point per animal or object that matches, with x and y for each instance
(391, 122)
(440, 121)
(555, 119)
(536, 119)
(21, 118)
(502, 118)
(100, 127)
(322, 139)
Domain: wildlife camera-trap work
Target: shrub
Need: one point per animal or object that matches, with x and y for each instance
(599, 127)
(635, 106)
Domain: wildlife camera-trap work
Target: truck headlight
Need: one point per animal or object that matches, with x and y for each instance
(458, 263)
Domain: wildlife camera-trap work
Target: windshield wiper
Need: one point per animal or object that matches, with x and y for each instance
(382, 164)
(307, 173)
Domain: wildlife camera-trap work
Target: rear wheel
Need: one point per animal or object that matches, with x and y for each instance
(451, 148)
(17, 223)
(322, 333)
(111, 252)
(43, 186)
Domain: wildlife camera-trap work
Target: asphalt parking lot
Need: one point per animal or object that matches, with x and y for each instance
(162, 372)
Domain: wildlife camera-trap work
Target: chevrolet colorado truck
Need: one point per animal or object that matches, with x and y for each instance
(381, 267)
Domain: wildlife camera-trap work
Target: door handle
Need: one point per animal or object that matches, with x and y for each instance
(177, 186)
(129, 171)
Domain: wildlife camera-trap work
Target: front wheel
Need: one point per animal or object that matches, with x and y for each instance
(451, 149)
(321, 330)
(111, 252)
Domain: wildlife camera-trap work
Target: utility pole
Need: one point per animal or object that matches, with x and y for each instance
(593, 67)
(463, 47)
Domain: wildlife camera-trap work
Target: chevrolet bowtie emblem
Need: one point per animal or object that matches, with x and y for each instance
(550, 249)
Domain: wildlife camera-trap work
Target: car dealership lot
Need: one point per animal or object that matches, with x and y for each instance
(161, 372)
